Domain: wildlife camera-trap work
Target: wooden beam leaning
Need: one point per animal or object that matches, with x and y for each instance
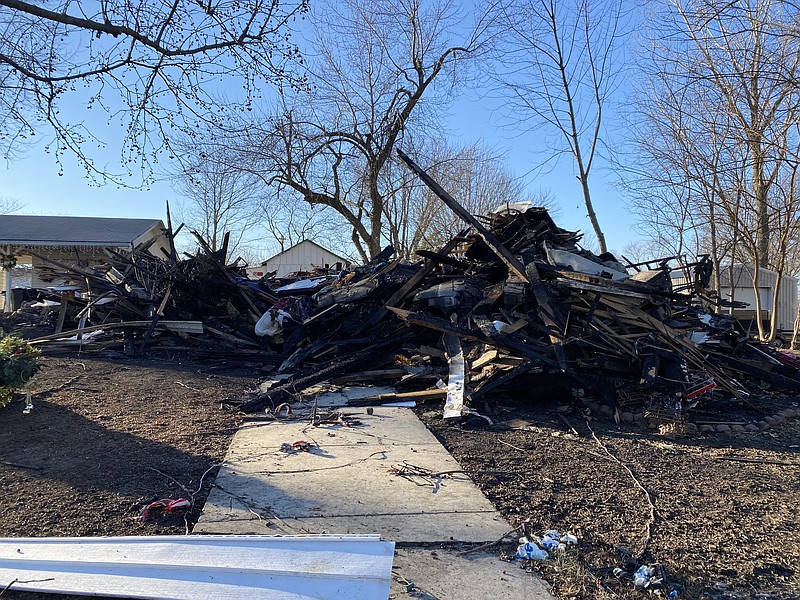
(156, 316)
(496, 246)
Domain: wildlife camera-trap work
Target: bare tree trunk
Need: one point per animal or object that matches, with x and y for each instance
(714, 248)
(760, 190)
(601, 239)
(756, 276)
(560, 65)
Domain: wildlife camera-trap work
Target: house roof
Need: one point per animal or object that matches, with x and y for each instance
(25, 230)
(344, 260)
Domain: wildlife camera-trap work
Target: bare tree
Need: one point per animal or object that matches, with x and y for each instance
(740, 55)
(152, 64)
(372, 81)
(560, 66)
(217, 196)
(721, 111)
(288, 222)
(10, 205)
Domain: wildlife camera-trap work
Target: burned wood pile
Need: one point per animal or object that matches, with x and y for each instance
(200, 300)
(511, 303)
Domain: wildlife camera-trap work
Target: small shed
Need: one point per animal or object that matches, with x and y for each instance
(29, 242)
(303, 256)
(736, 281)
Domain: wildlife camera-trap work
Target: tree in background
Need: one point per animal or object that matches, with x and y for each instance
(377, 70)
(10, 205)
(560, 65)
(720, 124)
(475, 175)
(287, 222)
(147, 63)
(217, 197)
(741, 55)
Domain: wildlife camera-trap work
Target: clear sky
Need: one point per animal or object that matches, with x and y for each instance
(34, 177)
(34, 180)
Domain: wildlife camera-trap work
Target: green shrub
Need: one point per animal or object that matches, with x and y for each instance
(19, 362)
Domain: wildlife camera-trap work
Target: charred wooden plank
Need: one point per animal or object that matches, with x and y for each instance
(538, 354)
(754, 370)
(409, 286)
(487, 236)
(289, 390)
(502, 379)
(433, 394)
(176, 326)
(442, 258)
(158, 314)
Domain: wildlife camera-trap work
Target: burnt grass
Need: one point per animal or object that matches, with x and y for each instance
(110, 434)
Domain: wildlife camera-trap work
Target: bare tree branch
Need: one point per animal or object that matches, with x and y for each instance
(154, 66)
(372, 83)
(560, 66)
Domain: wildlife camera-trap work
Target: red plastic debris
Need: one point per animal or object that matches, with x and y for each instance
(168, 504)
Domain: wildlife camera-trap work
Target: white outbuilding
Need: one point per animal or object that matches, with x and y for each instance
(736, 283)
(303, 256)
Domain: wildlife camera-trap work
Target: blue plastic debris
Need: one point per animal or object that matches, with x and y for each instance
(531, 551)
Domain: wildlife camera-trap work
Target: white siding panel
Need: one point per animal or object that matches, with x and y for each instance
(202, 567)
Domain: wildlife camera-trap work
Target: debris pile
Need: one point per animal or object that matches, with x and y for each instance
(511, 302)
(198, 299)
(514, 302)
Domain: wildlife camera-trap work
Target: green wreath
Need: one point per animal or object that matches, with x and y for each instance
(19, 362)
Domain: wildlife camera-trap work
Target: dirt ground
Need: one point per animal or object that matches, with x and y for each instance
(109, 434)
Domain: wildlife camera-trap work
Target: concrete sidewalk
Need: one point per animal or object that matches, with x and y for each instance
(388, 476)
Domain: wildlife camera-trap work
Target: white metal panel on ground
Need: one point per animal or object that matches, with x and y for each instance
(189, 567)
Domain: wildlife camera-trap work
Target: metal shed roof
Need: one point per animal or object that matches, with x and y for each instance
(25, 230)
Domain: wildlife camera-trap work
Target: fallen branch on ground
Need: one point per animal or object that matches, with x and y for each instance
(652, 517)
(489, 544)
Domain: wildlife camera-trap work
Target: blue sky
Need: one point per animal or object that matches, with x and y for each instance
(34, 180)
(34, 177)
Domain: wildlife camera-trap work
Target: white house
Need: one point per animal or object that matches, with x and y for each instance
(303, 256)
(31, 240)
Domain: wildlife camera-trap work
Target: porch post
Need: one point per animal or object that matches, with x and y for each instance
(7, 263)
(7, 277)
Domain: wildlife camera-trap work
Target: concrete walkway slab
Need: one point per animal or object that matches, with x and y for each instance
(346, 484)
(442, 574)
(362, 480)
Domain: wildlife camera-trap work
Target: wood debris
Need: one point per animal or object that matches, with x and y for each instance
(511, 303)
